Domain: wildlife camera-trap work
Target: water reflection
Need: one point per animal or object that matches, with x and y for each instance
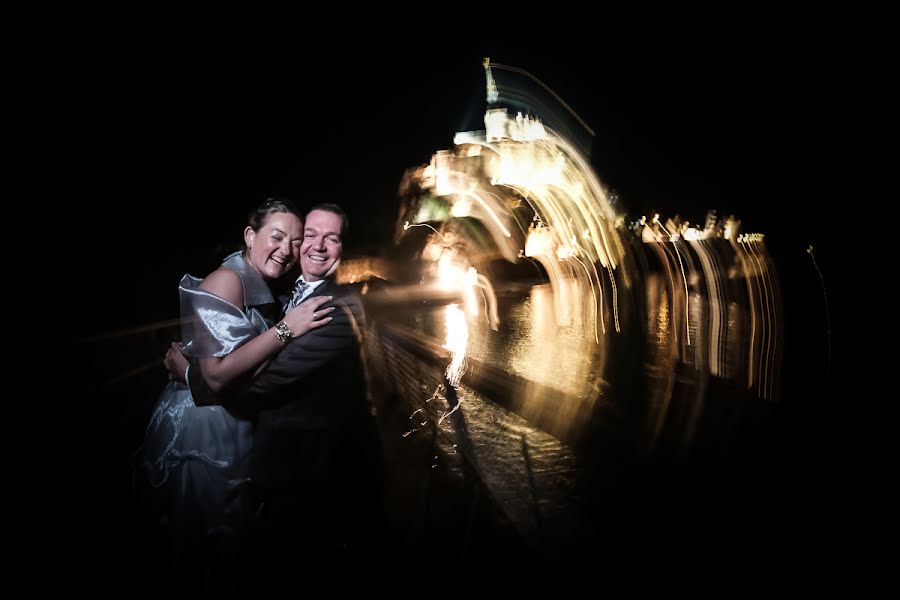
(457, 339)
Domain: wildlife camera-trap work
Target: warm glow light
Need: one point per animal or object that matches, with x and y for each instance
(456, 342)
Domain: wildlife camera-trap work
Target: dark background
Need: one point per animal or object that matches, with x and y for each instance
(161, 144)
(165, 143)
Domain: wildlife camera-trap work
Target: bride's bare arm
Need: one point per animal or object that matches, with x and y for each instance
(219, 372)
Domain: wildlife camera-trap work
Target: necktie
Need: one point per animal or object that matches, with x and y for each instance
(296, 295)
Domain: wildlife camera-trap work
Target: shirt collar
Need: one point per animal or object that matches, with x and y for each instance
(312, 284)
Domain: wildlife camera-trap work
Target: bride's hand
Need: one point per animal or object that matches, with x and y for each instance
(308, 315)
(175, 362)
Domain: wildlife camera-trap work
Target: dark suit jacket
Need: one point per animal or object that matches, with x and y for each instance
(314, 425)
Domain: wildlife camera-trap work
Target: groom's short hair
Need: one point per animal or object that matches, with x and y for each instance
(333, 208)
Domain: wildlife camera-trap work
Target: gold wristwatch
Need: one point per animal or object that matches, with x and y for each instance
(283, 332)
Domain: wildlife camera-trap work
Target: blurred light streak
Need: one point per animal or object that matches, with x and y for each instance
(521, 189)
(456, 342)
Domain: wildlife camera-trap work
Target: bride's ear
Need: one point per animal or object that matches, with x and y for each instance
(249, 236)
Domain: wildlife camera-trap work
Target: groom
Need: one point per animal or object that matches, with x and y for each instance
(315, 467)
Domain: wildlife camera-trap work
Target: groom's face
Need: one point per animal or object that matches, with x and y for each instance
(321, 244)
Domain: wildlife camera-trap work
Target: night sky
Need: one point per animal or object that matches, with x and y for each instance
(168, 142)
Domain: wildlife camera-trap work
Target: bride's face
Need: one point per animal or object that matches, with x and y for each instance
(275, 248)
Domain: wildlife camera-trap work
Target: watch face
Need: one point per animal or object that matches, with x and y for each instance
(283, 332)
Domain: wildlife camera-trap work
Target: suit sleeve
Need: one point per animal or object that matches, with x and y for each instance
(306, 355)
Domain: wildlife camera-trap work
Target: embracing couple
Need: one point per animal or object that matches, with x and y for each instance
(262, 455)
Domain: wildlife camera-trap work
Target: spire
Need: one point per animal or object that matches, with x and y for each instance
(492, 94)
